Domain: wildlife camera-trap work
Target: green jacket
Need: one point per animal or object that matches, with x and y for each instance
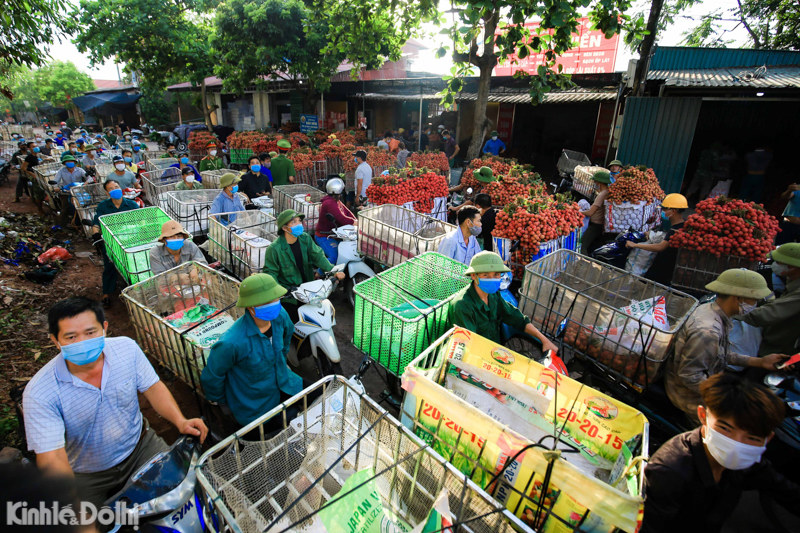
(210, 163)
(468, 311)
(282, 167)
(279, 261)
(778, 319)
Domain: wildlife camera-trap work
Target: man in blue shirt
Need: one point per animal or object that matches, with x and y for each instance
(462, 244)
(246, 370)
(82, 416)
(227, 201)
(494, 145)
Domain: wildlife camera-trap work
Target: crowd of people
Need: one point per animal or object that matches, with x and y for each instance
(82, 416)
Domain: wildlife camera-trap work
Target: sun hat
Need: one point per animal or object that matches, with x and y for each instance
(273, 154)
(788, 253)
(675, 201)
(170, 228)
(602, 177)
(67, 157)
(259, 289)
(286, 216)
(494, 134)
(486, 262)
(89, 147)
(228, 179)
(484, 175)
(283, 143)
(616, 162)
(740, 282)
(336, 142)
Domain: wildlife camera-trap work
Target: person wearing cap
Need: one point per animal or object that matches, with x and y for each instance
(363, 174)
(495, 145)
(462, 244)
(88, 160)
(451, 148)
(672, 209)
(293, 256)
(175, 249)
(183, 162)
(115, 204)
(121, 174)
(227, 201)
(596, 212)
(484, 175)
(68, 174)
(614, 168)
(779, 319)
(188, 183)
(256, 181)
(332, 203)
(60, 139)
(138, 154)
(702, 348)
(282, 167)
(211, 161)
(246, 371)
(480, 308)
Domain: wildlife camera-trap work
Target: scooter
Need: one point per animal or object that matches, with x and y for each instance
(161, 497)
(356, 269)
(314, 327)
(5, 169)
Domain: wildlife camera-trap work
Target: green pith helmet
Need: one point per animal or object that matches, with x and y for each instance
(484, 174)
(228, 179)
(616, 162)
(602, 177)
(283, 143)
(67, 157)
(740, 282)
(336, 142)
(286, 216)
(494, 134)
(788, 253)
(259, 289)
(486, 262)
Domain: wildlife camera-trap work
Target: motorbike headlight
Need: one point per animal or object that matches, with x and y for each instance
(315, 298)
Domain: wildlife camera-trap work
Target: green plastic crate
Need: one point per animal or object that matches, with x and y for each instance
(129, 236)
(239, 156)
(389, 327)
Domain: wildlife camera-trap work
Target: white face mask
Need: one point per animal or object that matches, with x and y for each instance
(729, 453)
(92, 152)
(213, 153)
(779, 269)
(120, 166)
(745, 307)
(189, 178)
(494, 138)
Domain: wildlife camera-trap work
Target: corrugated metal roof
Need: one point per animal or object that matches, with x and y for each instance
(682, 58)
(507, 97)
(756, 78)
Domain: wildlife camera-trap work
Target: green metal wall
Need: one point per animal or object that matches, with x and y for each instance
(681, 58)
(658, 133)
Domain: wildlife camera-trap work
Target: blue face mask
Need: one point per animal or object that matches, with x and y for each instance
(665, 223)
(70, 164)
(116, 194)
(136, 148)
(255, 168)
(235, 189)
(297, 230)
(355, 159)
(269, 311)
(489, 285)
(84, 352)
(175, 244)
(36, 150)
(59, 135)
(128, 160)
(185, 160)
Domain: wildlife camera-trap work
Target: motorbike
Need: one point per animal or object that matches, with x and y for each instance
(162, 496)
(355, 267)
(314, 328)
(5, 169)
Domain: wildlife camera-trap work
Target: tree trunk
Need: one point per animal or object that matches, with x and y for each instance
(204, 106)
(486, 64)
(647, 47)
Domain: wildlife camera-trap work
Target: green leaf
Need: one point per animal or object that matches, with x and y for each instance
(440, 52)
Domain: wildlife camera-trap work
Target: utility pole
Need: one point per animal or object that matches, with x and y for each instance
(647, 48)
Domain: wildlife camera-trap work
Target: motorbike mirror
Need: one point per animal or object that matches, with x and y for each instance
(562, 327)
(87, 222)
(330, 218)
(52, 182)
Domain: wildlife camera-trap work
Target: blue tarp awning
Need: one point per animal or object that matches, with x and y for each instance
(106, 103)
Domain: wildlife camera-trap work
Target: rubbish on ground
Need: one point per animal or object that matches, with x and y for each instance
(56, 253)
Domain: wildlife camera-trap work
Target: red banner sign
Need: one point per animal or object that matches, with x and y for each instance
(505, 122)
(592, 54)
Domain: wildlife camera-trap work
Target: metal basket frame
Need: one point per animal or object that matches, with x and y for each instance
(695, 269)
(211, 177)
(408, 474)
(550, 293)
(158, 163)
(85, 199)
(190, 208)
(395, 230)
(45, 172)
(232, 251)
(389, 339)
(570, 159)
(168, 292)
(157, 183)
(284, 197)
(122, 253)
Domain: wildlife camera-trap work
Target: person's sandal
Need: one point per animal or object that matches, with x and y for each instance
(16, 201)
(106, 302)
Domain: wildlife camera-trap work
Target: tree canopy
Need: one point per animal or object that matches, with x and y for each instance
(27, 28)
(58, 82)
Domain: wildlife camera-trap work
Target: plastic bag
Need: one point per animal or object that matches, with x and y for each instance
(744, 339)
(722, 188)
(584, 205)
(56, 253)
(639, 261)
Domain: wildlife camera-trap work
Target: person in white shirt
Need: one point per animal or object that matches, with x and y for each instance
(462, 244)
(363, 175)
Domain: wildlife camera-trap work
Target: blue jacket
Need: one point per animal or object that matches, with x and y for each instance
(247, 370)
(494, 147)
